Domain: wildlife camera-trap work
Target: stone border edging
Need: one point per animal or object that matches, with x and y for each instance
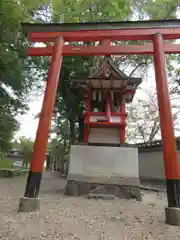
(152, 189)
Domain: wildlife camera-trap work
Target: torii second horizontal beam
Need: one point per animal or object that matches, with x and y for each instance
(69, 50)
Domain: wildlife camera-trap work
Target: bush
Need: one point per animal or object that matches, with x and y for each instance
(6, 163)
(13, 172)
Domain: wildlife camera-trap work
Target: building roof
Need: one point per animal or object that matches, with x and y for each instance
(155, 145)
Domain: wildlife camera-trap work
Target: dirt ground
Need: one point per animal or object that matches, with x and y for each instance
(63, 217)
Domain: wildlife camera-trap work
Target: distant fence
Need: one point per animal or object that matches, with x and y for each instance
(151, 163)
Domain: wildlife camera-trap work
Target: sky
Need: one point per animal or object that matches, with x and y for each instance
(28, 123)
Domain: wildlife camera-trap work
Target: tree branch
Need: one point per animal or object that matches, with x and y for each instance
(140, 64)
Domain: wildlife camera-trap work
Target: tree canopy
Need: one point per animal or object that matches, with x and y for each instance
(19, 74)
(25, 146)
(68, 100)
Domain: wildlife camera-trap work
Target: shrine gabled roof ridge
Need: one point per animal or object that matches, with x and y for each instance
(117, 70)
(121, 74)
(108, 60)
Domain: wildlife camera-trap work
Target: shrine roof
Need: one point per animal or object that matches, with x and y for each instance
(67, 27)
(108, 75)
(108, 64)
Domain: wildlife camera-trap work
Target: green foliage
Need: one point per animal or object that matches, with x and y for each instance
(25, 145)
(13, 172)
(68, 102)
(69, 98)
(6, 163)
(8, 125)
(97, 10)
(94, 10)
(17, 73)
(162, 9)
(59, 147)
(155, 9)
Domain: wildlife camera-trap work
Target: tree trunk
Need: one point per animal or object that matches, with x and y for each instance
(62, 160)
(58, 162)
(51, 162)
(81, 128)
(25, 163)
(72, 132)
(54, 165)
(48, 162)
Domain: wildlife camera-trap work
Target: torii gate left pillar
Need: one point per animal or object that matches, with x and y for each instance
(30, 201)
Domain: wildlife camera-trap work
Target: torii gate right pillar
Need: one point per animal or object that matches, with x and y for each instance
(170, 155)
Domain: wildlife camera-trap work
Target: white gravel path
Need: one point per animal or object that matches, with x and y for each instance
(68, 218)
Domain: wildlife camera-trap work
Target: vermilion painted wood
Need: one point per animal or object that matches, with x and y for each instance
(104, 124)
(108, 112)
(100, 35)
(89, 109)
(103, 114)
(69, 50)
(37, 163)
(86, 133)
(106, 42)
(166, 121)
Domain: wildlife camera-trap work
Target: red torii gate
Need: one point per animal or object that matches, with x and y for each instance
(155, 31)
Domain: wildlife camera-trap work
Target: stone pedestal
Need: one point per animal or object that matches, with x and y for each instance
(29, 204)
(103, 170)
(172, 216)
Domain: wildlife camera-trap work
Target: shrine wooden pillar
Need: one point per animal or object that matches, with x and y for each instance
(81, 127)
(39, 152)
(123, 126)
(167, 130)
(89, 109)
(108, 110)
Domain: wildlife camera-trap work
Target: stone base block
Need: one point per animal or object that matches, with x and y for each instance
(29, 204)
(172, 216)
(84, 188)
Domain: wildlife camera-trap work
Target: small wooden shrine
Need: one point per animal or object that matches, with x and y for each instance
(106, 93)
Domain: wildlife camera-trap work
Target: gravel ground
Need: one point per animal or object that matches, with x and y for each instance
(67, 218)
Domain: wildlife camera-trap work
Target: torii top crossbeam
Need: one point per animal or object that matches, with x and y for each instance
(121, 31)
(137, 30)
